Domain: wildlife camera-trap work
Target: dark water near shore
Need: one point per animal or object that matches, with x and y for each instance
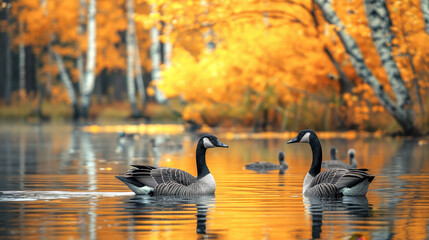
(58, 183)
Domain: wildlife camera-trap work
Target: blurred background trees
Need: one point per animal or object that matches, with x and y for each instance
(269, 65)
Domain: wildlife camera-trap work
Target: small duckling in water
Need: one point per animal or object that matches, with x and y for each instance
(263, 167)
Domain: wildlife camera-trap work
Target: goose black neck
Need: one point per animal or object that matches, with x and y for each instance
(316, 164)
(202, 168)
(333, 154)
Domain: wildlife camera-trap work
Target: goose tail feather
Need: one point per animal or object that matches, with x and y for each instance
(130, 180)
(136, 186)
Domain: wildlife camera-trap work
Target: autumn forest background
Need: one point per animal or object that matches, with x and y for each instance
(263, 65)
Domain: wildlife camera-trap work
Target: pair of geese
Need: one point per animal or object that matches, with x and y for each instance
(332, 183)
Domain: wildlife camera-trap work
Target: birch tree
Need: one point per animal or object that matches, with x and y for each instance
(68, 85)
(155, 56)
(139, 74)
(130, 38)
(401, 110)
(80, 32)
(89, 80)
(4, 17)
(21, 58)
(425, 10)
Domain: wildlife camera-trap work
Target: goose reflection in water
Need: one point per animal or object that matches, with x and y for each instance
(143, 207)
(356, 207)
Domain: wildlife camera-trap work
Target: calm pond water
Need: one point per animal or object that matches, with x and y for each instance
(58, 183)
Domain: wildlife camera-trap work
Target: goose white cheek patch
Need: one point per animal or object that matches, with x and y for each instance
(305, 138)
(207, 143)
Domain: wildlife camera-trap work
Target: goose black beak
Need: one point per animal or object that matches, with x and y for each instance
(294, 140)
(219, 144)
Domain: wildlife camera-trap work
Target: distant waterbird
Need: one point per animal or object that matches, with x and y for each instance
(331, 183)
(143, 179)
(124, 137)
(335, 163)
(263, 167)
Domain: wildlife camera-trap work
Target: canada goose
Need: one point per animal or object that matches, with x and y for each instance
(335, 182)
(171, 181)
(335, 163)
(165, 145)
(124, 137)
(263, 167)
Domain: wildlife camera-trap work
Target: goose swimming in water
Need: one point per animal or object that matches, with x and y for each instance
(335, 163)
(263, 167)
(335, 182)
(150, 180)
(124, 137)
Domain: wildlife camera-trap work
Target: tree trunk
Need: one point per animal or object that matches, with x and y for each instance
(7, 54)
(168, 48)
(118, 84)
(139, 76)
(345, 84)
(80, 32)
(30, 70)
(380, 23)
(8, 87)
(21, 59)
(48, 74)
(130, 59)
(425, 10)
(90, 60)
(68, 84)
(155, 56)
(352, 49)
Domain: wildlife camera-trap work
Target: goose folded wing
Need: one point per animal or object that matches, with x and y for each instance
(330, 176)
(165, 175)
(353, 177)
(323, 190)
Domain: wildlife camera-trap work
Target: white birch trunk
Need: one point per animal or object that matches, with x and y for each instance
(66, 79)
(90, 59)
(379, 22)
(48, 75)
(362, 69)
(139, 74)
(131, 57)
(80, 32)
(168, 47)
(68, 84)
(21, 57)
(425, 10)
(155, 55)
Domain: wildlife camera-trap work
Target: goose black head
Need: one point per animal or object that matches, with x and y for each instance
(304, 136)
(121, 134)
(281, 156)
(211, 141)
(333, 153)
(351, 152)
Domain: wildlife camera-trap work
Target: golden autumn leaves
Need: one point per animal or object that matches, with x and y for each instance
(240, 59)
(266, 61)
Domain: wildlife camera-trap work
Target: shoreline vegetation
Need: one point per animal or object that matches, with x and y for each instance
(117, 116)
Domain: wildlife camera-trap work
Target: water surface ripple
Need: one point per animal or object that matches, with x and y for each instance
(58, 183)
